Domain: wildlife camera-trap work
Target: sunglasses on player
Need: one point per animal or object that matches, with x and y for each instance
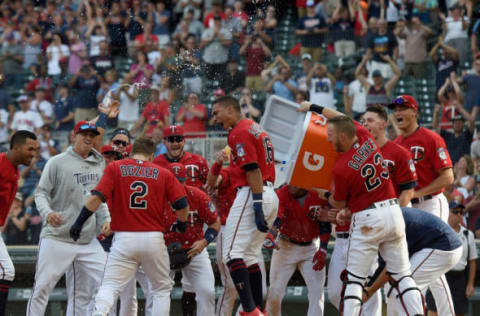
(119, 142)
(461, 212)
(175, 139)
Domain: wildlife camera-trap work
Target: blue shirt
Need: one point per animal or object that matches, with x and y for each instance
(310, 23)
(62, 108)
(281, 89)
(161, 149)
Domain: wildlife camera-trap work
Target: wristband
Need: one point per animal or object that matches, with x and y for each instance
(257, 197)
(216, 167)
(102, 120)
(85, 213)
(324, 245)
(327, 195)
(316, 108)
(210, 235)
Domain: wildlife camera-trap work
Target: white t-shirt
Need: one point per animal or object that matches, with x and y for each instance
(4, 130)
(44, 106)
(461, 265)
(454, 29)
(95, 44)
(359, 96)
(321, 92)
(54, 62)
(44, 152)
(128, 109)
(26, 121)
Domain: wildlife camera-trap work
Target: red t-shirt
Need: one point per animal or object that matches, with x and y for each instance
(400, 165)
(255, 60)
(429, 154)
(250, 144)
(155, 111)
(196, 167)
(360, 176)
(225, 195)
(139, 191)
(141, 38)
(296, 221)
(202, 211)
(448, 113)
(192, 124)
(208, 20)
(9, 176)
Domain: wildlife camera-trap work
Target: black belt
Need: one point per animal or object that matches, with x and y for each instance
(421, 199)
(295, 242)
(343, 235)
(265, 184)
(383, 204)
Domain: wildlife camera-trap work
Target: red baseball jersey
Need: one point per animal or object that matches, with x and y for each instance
(400, 166)
(250, 144)
(296, 220)
(360, 176)
(429, 153)
(9, 176)
(195, 165)
(202, 211)
(140, 192)
(225, 195)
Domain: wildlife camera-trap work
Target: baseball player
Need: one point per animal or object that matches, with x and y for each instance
(196, 165)
(139, 191)
(198, 272)
(23, 148)
(362, 184)
(434, 249)
(220, 182)
(255, 206)
(430, 155)
(64, 186)
(297, 247)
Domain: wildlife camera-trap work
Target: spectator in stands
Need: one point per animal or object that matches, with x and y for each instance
(4, 122)
(194, 26)
(472, 91)
(451, 100)
(31, 174)
(64, 109)
(342, 30)
(86, 82)
(415, 47)
(382, 43)
(129, 109)
(475, 38)
(215, 43)
(446, 60)
(256, 53)
(283, 84)
(456, 31)
(270, 19)
(166, 92)
(78, 52)
(57, 54)
(25, 119)
(40, 79)
(141, 69)
(376, 9)
(217, 11)
(157, 137)
(240, 13)
(378, 92)
(301, 76)
(234, 25)
(103, 61)
(312, 28)
(234, 79)
(464, 178)
(247, 106)
(32, 44)
(141, 40)
(321, 84)
(116, 25)
(5, 100)
(258, 30)
(189, 64)
(15, 229)
(181, 32)
(48, 146)
(193, 115)
(155, 114)
(11, 58)
(161, 19)
(42, 106)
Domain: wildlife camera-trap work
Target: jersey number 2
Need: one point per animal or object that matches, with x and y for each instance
(140, 189)
(369, 172)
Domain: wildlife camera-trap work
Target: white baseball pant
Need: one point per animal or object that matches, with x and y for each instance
(379, 229)
(437, 205)
(199, 279)
(242, 238)
(54, 259)
(129, 251)
(338, 263)
(284, 262)
(6, 264)
(428, 270)
(226, 301)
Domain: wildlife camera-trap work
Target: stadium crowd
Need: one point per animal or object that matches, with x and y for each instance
(165, 62)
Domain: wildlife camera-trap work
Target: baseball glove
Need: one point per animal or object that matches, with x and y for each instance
(178, 256)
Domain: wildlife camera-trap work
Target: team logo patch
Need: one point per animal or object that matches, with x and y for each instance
(390, 165)
(211, 207)
(441, 153)
(240, 150)
(256, 130)
(418, 153)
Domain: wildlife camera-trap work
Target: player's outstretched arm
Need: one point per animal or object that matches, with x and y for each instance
(306, 106)
(91, 206)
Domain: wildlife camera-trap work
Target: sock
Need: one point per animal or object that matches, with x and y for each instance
(189, 304)
(4, 287)
(256, 285)
(238, 271)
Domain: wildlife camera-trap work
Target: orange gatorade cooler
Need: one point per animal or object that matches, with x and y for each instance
(303, 154)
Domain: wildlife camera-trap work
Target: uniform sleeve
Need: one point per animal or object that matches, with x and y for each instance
(175, 189)
(405, 174)
(38, 120)
(473, 247)
(45, 186)
(209, 211)
(441, 157)
(102, 215)
(245, 149)
(341, 187)
(105, 187)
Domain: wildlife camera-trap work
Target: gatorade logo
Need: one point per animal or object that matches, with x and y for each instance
(313, 162)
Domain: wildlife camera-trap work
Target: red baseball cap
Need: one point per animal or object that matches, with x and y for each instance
(173, 130)
(219, 93)
(404, 100)
(85, 126)
(178, 170)
(107, 149)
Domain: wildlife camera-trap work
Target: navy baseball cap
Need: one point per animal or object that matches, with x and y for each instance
(454, 204)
